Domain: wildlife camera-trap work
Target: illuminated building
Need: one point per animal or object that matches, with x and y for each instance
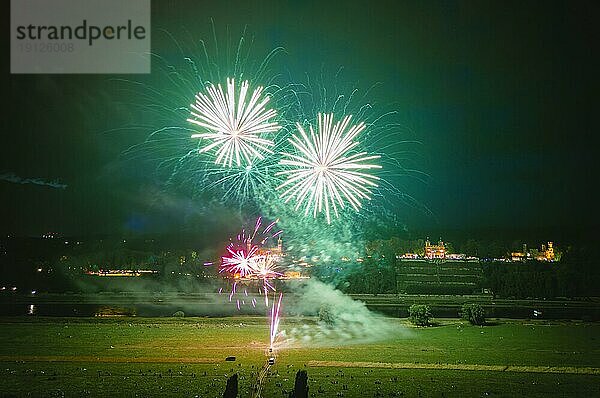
(456, 256)
(518, 256)
(278, 251)
(550, 252)
(546, 253)
(435, 251)
(408, 256)
(122, 273)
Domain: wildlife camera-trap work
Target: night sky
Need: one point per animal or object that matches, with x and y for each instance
(500, 95)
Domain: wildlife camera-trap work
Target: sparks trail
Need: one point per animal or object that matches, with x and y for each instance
(275, 312)
(249, 258)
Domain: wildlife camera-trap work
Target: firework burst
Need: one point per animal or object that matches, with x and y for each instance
(240, 260)
(235, 125)
(324, 174)
(265, 267)
(247, 258)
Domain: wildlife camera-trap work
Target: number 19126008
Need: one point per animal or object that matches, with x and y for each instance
(47, 47)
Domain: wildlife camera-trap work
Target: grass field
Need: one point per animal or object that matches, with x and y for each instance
(186, 357)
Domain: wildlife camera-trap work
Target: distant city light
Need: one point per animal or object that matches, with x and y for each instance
(122, 272)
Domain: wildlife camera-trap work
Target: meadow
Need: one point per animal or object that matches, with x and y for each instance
(185, 357)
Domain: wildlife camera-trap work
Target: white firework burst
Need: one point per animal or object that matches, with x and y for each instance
(265, 266)
(239, 260)
(235, 127)
(323, 173)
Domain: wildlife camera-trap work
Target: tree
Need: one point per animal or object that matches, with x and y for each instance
(326, 315)
(474, 313)
(419, 314)
(470, 248)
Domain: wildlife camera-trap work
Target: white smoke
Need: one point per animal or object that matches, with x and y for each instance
(348, 321)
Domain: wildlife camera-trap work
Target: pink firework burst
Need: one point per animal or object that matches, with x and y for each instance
(248, 258)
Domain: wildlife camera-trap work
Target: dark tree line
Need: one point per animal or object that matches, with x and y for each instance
(377, 272)
(576, 275)
(373, 277)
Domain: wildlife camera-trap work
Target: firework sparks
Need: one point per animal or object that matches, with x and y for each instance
(323, 173)
(235, 127)
(265, 267)
(275, 319)
(240, 260)
(247, 258)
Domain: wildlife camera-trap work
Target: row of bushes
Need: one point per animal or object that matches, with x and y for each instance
(420, 314)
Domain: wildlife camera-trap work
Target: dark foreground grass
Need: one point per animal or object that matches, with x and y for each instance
(185, 357)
